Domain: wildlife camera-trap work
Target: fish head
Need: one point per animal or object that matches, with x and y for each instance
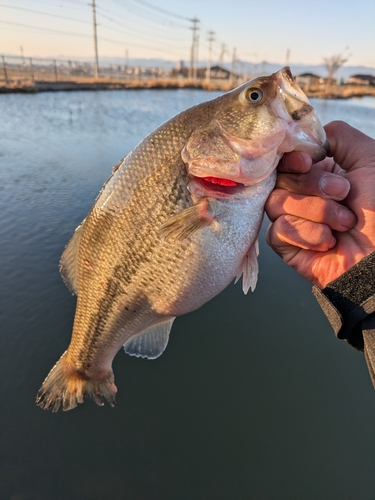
(305, 132)
(251, 128)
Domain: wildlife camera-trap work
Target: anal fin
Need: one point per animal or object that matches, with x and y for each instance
(68, 261)
(249, 268)
(150, 343)
(187, 222)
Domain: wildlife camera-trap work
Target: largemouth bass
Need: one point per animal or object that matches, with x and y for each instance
(176, 222)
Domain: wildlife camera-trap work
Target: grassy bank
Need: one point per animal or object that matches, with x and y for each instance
(27, 86)
(109, 84)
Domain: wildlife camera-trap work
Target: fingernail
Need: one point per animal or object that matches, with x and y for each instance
(335, 186)
(347, 218)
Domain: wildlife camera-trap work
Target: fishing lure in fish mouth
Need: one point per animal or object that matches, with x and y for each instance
(216, 186)
(176, 222)
(220, 182)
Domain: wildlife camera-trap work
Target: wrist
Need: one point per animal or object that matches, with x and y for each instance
(349, 299)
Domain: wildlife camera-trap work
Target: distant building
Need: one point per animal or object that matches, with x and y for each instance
(309, 81)
(362, 79)
(180, 66)
(219, 73)
(216, 73)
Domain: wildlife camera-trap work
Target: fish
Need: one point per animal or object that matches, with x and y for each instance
(175, 223)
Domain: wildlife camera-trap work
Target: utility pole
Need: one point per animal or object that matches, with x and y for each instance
(223, 50)
(96, 64)
(194, 48)
(22, 56)
(195, 71)
(31, 70)
(5, 70)
(287, 57)
(126, 62)
(210, 39)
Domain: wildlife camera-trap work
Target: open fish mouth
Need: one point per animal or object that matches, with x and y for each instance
(219, 186)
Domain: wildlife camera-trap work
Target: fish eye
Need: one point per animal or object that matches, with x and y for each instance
(254, 95)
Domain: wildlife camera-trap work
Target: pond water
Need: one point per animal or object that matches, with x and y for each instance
(254, 397)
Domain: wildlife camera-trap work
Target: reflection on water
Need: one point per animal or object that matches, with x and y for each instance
(359, 112)
(254, 397)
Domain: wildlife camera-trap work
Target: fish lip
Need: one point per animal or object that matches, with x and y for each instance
(320, 155)
(285, 80)
(316, 151)
(326, 147)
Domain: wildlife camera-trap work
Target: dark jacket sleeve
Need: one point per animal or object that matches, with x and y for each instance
(349, 304)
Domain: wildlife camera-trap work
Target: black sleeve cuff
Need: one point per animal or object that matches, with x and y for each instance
(349, 299)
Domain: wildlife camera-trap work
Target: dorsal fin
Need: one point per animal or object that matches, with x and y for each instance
(249, 268)
(150, 343)
(68, 261)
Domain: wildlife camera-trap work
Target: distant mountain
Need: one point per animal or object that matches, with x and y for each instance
(247, 67)
(319, 69)
(244, 67)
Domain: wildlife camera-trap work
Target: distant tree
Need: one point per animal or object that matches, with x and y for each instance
(333, 64)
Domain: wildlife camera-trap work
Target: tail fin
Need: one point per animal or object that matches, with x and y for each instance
(66, 387)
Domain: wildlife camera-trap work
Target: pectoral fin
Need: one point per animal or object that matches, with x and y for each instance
(68, 261)
(249, 268)
(187, 222)
(150, 343)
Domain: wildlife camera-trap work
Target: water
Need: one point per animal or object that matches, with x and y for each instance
(254, 397)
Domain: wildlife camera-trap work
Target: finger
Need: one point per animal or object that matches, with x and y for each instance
(312, 208)
(288, 234)
(350, 148)
(316, 182)
(329, 165)
(296, 161)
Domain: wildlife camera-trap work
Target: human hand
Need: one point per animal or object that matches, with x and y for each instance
(323, 220)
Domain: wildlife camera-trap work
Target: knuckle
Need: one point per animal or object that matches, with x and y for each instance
(274, 204)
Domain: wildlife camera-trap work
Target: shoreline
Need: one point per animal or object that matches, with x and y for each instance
(345, 91)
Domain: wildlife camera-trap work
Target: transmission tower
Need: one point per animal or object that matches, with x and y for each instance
(210, 39)
(96, 63)
(194, 49)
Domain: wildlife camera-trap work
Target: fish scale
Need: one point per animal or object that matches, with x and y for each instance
(175, 223)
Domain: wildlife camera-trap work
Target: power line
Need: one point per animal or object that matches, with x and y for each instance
(139, 9)
(158, 9)
(78, 20)
(148, 16)
(85, 36)
(46, 29)
(73, 1)
(136, 45)
(44, 13)
(144, 36)
(132, 30)
(170, 25)
(77, 3)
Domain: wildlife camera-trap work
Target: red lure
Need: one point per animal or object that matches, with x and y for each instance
(220, 182)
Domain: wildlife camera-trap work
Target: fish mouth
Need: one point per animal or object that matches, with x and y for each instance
(219, 186)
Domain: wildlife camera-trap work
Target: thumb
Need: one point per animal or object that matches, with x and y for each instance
(350, 148)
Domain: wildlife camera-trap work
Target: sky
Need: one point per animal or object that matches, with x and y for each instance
(287, 31)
